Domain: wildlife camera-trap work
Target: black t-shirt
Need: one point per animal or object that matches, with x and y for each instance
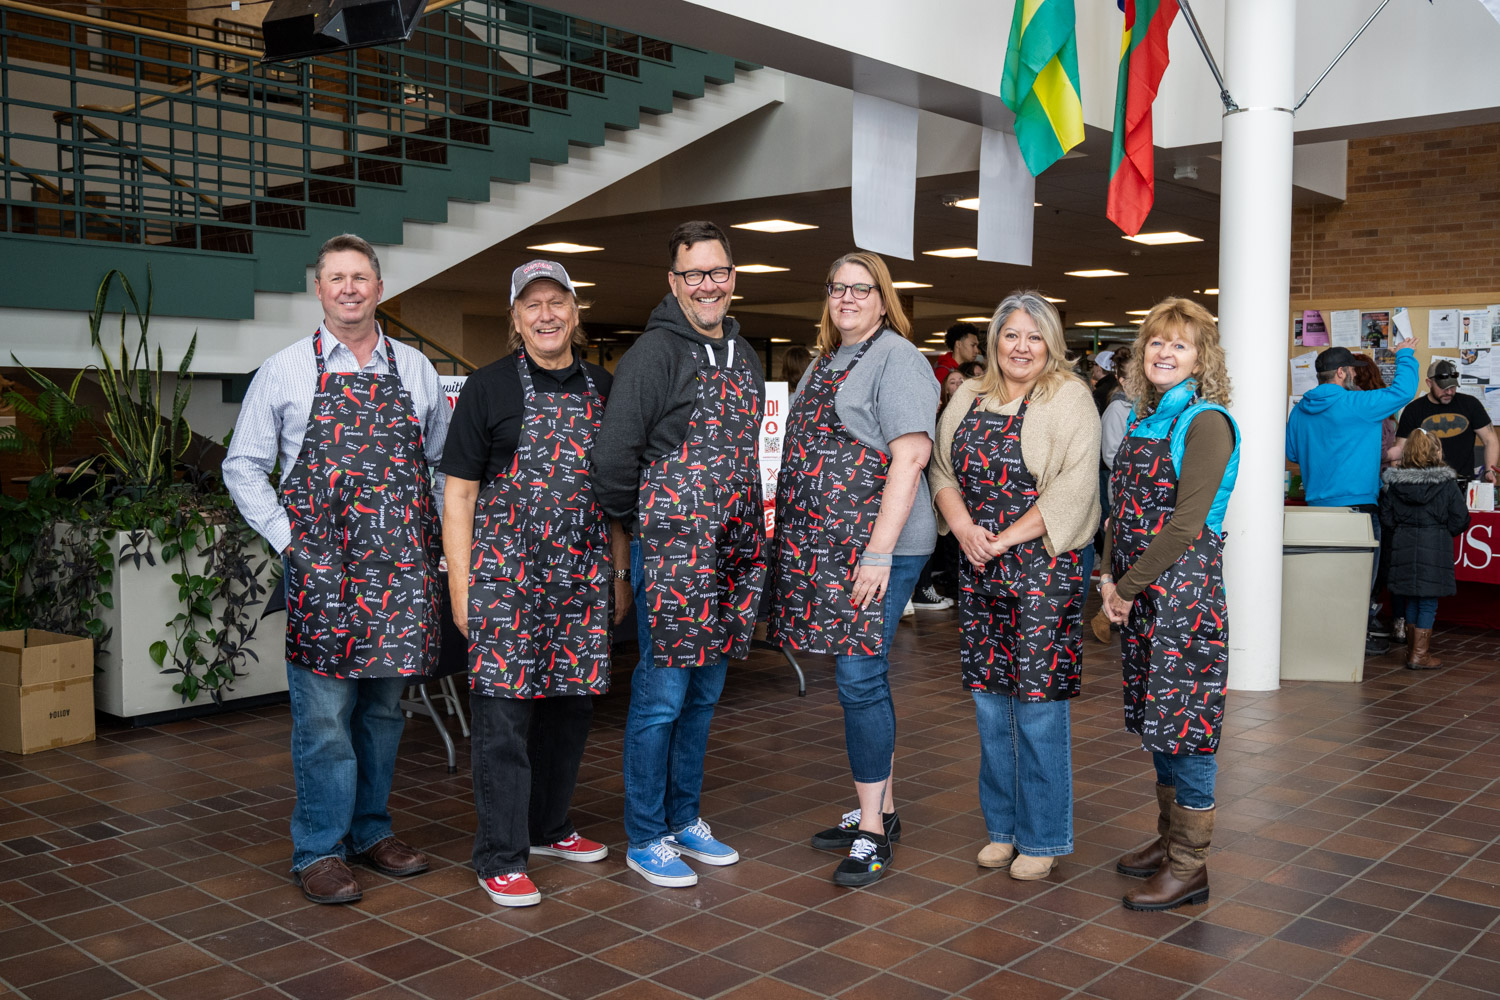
(1452, 423)
(487, 420)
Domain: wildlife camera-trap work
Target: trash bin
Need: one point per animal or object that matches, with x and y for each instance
(1326, 557)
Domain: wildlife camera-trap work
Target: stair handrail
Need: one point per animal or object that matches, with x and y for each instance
(145, 161)
(34, 178)
(426, 341)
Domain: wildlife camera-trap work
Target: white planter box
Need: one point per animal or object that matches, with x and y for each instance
(130, 683)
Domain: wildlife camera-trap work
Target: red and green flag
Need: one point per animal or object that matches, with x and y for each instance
(1041, 81)
(1143, 59)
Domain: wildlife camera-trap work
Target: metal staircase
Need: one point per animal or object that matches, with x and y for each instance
(123, 144)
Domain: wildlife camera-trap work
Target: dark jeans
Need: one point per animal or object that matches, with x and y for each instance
(1374, 511)
(1420, 612)
(526, 754)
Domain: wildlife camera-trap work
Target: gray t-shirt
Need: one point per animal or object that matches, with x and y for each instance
(891, 392)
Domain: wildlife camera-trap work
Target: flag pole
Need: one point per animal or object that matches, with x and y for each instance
(1213, 67)
(1298, 106)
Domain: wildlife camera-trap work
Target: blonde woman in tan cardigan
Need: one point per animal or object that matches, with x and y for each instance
(1014, 474)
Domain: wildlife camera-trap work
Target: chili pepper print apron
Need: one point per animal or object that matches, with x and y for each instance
(827, 499)
(702, 525)
(539, 582)
(1174, 646)
(362, 588)
(1022, 614)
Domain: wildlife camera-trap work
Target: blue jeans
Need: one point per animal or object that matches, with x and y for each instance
(344, 739)
(1421, 612)
(1192, 774)
(666, 731)
(1026, 773)
(864, 684)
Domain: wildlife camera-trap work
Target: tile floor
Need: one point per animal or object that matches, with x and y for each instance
(1356, 856)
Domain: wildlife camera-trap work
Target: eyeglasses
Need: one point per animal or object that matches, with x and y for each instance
(695, 278)
(836, 290)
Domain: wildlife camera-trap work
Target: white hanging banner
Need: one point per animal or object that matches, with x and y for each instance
(1007, 192)
(883, 196)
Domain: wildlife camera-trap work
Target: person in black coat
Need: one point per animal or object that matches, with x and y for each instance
(1421, 509)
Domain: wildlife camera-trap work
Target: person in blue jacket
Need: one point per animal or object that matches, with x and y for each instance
(1333, 433)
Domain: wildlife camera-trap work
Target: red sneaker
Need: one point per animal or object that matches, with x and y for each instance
(574, 848)
(515, 889)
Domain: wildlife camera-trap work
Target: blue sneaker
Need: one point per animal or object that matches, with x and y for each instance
(697, 841)
(659, 864)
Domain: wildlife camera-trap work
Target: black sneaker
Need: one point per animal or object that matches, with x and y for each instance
(868, 857)
(1377, 628)
(841, 837)
(1376, 645)
(928, 599)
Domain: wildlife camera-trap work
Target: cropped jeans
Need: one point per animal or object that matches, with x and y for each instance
(864, 684)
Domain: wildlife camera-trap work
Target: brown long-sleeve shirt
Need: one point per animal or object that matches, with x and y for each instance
(1205, 455)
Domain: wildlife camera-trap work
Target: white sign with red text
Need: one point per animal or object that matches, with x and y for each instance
(452, 386)
(772, 436)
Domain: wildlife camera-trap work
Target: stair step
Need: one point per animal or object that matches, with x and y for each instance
(221, 238)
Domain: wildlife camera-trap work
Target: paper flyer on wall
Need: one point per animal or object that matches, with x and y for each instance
(1492, 402)
(1375, 329)
(1494, 312)
(1344, 328)
(1296, 331)
(1304, 376)
(1401, 320)
(1385, 359)
(1314, 331)
(1474, 328)
(1474, 366)
(1442, 329)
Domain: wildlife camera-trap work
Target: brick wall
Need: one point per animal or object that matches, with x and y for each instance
(1422, 218)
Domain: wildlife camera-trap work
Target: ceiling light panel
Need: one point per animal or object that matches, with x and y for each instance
(582, 284)
(1162, 239)
(564, 247)
(759, 268)
(1095, 322)
(910, 284)
(773, 226)
(953, 252)
(972, 204)
(1098, 272)
(973, 319)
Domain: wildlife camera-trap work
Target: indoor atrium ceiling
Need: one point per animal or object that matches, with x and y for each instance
(1071, 233)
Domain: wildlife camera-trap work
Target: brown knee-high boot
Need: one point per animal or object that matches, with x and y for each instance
(1144, 862)
(1418, 656)
(1183, 878)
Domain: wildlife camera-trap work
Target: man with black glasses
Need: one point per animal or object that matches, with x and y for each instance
(676, 461)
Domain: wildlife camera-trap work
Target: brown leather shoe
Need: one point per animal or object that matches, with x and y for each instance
(1100, 624)
(1144, 862)
(391, 857)
(328, 880)
(1183, 877)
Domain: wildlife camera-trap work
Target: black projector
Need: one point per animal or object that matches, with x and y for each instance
(297, 28)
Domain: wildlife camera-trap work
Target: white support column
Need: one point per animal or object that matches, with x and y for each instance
(1255, 242)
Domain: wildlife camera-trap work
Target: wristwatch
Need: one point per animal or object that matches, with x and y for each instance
(622, 574)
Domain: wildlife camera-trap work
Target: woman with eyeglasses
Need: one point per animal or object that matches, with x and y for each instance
(854, 527)
(1015, 475)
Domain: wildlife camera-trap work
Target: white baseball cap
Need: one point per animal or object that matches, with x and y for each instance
(1105, 360)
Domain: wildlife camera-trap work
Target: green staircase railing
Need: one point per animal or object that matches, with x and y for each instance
(439, 355)
(119, 138)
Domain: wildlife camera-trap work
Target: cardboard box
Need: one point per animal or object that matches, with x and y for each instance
(46, 690)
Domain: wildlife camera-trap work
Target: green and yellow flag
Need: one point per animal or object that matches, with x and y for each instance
(1041, 81)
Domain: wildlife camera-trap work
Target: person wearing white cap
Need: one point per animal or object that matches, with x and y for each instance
(530, 554)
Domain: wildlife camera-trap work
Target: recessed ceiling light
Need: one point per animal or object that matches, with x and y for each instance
(785, 340)
(1210, 291)
(583, 284)
(1098, 272)
(973, 319)
(735, 298)
(773, 226)
(1161, 239)
(953, 252)
(759, 268)
(928, 350)
(910, 284)
(1137, 312)
(1095, 322)
(563, 247)
(972, 204)
(1139, 319)
(1052, 300)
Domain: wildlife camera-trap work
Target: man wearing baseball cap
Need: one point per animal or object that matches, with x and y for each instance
(532, 562)
(1455, 419)
(1334, 435)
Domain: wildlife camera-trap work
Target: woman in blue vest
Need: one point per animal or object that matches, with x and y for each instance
(1164, 584)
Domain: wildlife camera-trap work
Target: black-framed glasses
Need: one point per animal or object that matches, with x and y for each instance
(695, 278)
(836, 289)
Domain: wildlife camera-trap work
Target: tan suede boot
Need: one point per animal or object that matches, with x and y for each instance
(1144, 862)
(1420, 657)
(1183, 878)
(1100, 625)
